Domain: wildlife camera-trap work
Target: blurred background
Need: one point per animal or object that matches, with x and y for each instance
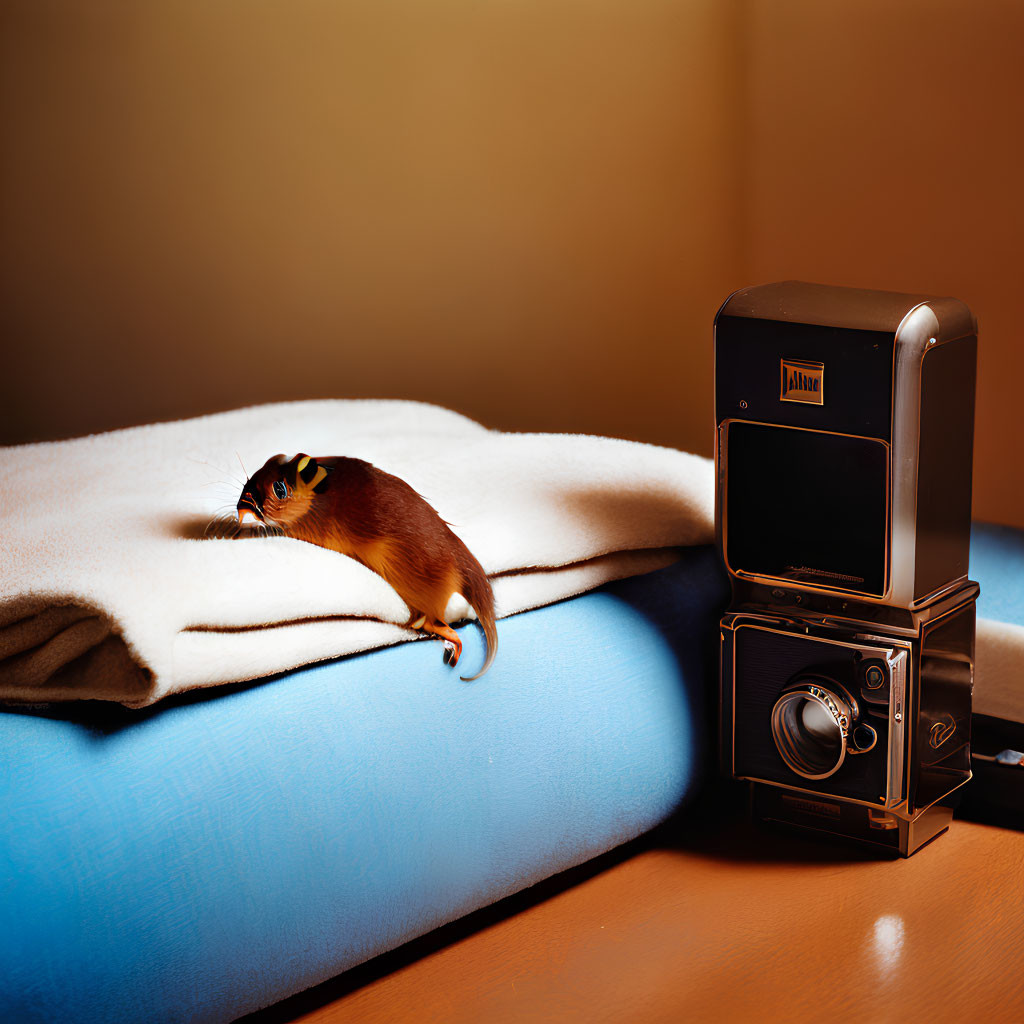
(527, 210)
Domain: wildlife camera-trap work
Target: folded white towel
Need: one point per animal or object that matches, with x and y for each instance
(109, 590)
(999, 670)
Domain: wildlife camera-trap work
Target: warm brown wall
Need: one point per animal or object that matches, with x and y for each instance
(886, 149)
(522, 210)
(528, 211)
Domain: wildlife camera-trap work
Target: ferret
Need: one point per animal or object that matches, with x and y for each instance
(351, 506)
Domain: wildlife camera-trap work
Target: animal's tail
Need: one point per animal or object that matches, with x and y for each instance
(476, 589)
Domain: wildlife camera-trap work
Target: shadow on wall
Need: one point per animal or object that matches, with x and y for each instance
(878, 156)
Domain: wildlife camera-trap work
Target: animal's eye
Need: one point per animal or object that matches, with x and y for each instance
(280, 490)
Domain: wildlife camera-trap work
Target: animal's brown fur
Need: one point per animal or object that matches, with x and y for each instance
(352, 507)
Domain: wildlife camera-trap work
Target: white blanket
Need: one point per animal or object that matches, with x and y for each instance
(109, 590)
(999, 670)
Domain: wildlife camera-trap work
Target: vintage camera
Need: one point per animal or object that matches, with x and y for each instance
(845, 423)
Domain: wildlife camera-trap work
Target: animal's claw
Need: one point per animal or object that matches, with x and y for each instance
(450, 657)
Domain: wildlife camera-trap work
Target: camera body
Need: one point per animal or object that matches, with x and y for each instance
(843, 461)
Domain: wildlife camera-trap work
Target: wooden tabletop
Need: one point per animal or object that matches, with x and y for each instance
(712, 919)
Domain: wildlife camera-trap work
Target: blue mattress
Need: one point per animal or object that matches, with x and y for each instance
(210, 856)
(997, 563)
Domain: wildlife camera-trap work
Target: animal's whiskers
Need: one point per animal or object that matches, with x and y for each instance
(220, 471)
(223, 524)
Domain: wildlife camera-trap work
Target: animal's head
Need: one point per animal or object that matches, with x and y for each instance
(281, 491)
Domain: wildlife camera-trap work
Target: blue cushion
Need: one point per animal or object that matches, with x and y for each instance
(997, 563)
(204, 858)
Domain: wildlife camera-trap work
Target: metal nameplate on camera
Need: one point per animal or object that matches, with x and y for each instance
(803, 381)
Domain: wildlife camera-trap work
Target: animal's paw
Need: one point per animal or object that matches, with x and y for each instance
(451, 654)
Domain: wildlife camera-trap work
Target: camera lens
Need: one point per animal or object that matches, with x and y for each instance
(809, 725)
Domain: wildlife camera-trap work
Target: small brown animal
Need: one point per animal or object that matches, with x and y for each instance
(353, 507)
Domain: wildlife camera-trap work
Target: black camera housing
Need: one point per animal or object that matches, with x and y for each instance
(843, 456)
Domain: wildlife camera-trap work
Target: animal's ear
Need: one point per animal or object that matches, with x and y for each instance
(320, 480)
(311, 473)
(306, 468)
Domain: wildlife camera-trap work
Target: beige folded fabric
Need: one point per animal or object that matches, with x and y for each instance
(999, 670)
(109, 589)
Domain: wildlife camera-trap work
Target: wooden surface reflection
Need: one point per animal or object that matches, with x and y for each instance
(711, 919)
